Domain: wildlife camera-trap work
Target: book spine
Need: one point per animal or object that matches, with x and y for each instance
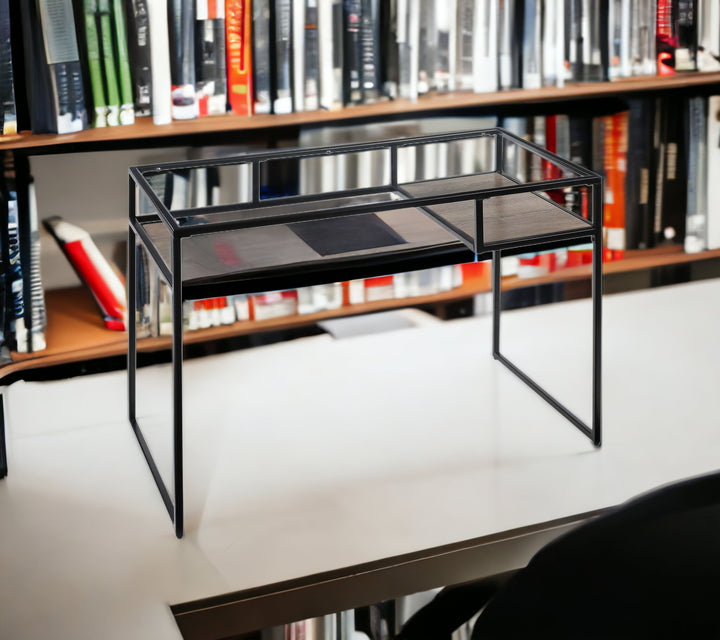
(312, 57)
(15, 282)
(127, 108)
(696, 216)
(370, 61)
(239, 55)
(109, 63)
(352, 89)
(8, 110)
(63, 59)
(138, 28)
(38, 310)
(181, 39)
(326, 54)
(298, 54)
(210, 57)
(95, 65)
(283, 77)
(160, 62)
(713, 170)
(261, 57)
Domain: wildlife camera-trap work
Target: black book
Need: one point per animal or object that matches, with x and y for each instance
(671, 181)
(370, 58)
(262, 57)
(282, 59)
(352, 51)
(8, 110)
(138, 30)
(181, 35)
(53, 71)
(640, 183)
(210, 65)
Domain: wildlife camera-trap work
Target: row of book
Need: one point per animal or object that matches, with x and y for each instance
(70, 64)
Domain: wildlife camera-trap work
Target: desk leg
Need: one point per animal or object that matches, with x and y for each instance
(592, 432)
(132, 373)
(3, 449)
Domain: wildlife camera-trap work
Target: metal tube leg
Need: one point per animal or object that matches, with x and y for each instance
(496, 284)
(3, 449)
(177, 364)
(132, 325)
(597, 341)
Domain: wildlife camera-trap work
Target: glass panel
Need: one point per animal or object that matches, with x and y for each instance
(525, 166)
(446, 159)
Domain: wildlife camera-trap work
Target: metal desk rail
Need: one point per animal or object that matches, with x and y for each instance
(419, 202)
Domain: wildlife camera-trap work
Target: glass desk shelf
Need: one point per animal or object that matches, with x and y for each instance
(289, 218)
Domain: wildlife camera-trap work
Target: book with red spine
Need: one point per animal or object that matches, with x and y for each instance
(238, 45)
(93, 269)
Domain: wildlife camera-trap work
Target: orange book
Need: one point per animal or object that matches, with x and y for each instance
(238, 45)
(615, 164)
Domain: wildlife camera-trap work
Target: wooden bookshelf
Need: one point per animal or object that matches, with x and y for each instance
(144, 129)
(76, 332)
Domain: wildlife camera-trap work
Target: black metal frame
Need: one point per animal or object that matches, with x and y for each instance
(343, 269)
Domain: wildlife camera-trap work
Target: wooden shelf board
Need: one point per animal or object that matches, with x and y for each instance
(144, 127)
(76, 331)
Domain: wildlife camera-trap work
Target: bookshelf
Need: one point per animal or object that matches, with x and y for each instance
(144, 129)
(68, 341)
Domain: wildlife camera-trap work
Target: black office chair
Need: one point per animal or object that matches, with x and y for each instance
(648, 569)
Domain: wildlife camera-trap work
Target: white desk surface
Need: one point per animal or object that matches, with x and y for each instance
(342, 451)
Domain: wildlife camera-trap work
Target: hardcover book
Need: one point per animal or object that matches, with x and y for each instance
(138, 38)
(181, 39)
(210, 57)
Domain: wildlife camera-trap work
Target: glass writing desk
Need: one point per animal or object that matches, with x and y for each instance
(289, 218)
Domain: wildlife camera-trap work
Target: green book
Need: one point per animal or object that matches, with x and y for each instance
(94, 61)
(127, 106)
(109, 63)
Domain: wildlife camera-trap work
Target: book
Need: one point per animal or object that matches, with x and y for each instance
(298, 54)
(311, 74)
(239, 53)
(445, 33)
(181, 40)
(8, 109)
(697, 178)
(93, 60)
(352, 52)
(640, 183)
(532, 45)
(122, 56)
(281, 32)
(211, 71)
(708, 36)
(642, 37)
(427, 45)
(615, 160)
(160, 63)
(465, 21)
(370, 59)
(510, 26)
(713, 169)
(53, 69)
(262, 90)
(329, 54)
(138, 39)
(485, 47)
(38, 311)
(93, 269)
(109, 62)
(14, 283)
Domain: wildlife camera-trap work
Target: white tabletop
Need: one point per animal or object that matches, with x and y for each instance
(322, 453)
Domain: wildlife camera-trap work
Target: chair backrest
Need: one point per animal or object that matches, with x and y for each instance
(648, 569)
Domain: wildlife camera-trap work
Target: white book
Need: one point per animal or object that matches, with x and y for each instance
(160, 63)
(708, 35)
(713, 171)
(506, 21)
(485, 46)
(298, 54)
(329, 49)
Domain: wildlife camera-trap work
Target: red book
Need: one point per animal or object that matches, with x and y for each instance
(238, 45)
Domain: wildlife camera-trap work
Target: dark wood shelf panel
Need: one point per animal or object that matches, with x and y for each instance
(144, 128)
